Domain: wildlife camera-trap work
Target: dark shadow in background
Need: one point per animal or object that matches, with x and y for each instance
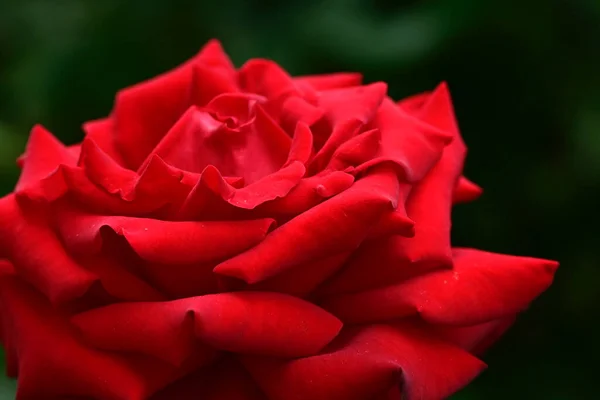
(526, 84)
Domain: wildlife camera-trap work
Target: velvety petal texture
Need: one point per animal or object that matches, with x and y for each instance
(241, 234)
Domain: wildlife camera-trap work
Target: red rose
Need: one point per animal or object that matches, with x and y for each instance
(241, 234)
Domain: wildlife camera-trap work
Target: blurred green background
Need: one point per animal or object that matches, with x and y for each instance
(525, 77)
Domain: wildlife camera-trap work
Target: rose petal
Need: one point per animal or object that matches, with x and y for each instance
(367, 362)
(209, 82)
(143, 113)
(476, 338)
(101, 132)
(395, 222)
(235, 109)
(346, 110)
(163, 241)
(258, 149)
(266, 78)
(49, 268)
(43, 154)
(429, 204)
(301, 280)
(106, 172)
(376, 263)
(43, 157)
(336, 225)
(118, 280)
(481, 287)
(214, 199)
(301, 147)
(465, 191)
(411, 144)
(308, 193)
(159, 190)
(244, 322)
(42, 338)
(295, 110)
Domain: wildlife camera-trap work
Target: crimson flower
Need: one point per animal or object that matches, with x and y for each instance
(239, 234)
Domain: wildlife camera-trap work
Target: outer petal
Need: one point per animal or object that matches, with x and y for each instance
(40, 340)
(481, 287)
(376, 263)
(303, 279)
(163, 241)
(159, 190)
(50, 269)
(367, 362)
(430, 201)
(244, 322)
(476, 338)
(339, 224)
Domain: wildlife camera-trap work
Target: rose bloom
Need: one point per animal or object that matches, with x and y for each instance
(239, 234)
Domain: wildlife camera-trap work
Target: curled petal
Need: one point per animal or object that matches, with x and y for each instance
(395, 222)
(367, 362)
(346, 111)
(41, 163)
(102, 133)
(106, 172)
(235, 109)
(308, 193)
(465, 191)
(213, 198)
(158, 190)
(243, 322)
(411, 144)
(302, 144)
(481, 287)
(163, 241)
(336, 225)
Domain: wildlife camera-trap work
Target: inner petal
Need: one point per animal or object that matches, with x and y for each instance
(239, 140)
